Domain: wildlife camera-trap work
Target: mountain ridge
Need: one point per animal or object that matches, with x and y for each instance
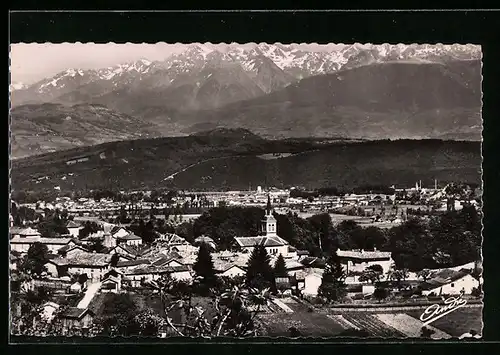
(202, 89)
(50, 127)
(288, 62)
(388, 100)
(218, 161)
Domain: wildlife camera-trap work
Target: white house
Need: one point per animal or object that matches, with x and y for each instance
(71, 249)
(127, 265)
(233, 271)
(129, 239)
(22, 244)
(119, 232)
(76, 318)
(171, 239)
(95, 265)
(24, 232)
(111, 284)
(308, 281)
(76, 287)
(73, 228)
(108, 240)
(270, 240)
(167, 261)
(450, 282)
(138, 276)
(359, 260)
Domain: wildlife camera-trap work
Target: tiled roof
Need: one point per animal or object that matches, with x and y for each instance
(67, 248)
(230, 266)
(443, 277)
(15, 230)
(204, 239)
(30, 240)
(51, 304)
(74, 313)
(224, 260)
(84, 259)
(135, 250)
(72, 224)
(130, 236)
(111, 278)
(363, 254)
(268, 241)
(127, 263)
(173, 239)
(302, 274)
(115, 229)
(157, 270)
(311, 261)
(166, 259)
(24, 231)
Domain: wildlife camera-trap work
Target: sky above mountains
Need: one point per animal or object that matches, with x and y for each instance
(33, 62)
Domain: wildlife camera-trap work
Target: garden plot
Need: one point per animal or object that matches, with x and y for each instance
(409, 326)
(307, 324)
(373, 325)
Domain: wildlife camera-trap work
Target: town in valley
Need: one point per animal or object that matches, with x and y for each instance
(102, 264)
(258, 190)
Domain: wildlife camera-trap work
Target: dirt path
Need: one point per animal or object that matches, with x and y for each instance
(172, 176)
(89, 294)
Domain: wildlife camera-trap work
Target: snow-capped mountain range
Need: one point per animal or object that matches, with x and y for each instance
(17, 86)
(269, 66)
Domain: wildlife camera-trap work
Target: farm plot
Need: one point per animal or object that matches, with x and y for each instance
(410, 326)
(307, 324)
(458, 322)
(294, 305)
(371, 324)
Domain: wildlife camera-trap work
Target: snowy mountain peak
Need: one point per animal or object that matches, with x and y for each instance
(199, 50)
(269, 66)
(17, 86)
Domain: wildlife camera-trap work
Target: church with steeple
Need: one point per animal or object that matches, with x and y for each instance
(269, 238)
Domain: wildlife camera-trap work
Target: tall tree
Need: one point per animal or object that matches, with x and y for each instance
(117, 317)
(259, 271)
(322, 224)
(37, 257)
(204, 266)
(280, 267)
(115, 258)
(332, 286)
(96, 245)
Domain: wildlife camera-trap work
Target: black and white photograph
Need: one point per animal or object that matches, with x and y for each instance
(246, 190)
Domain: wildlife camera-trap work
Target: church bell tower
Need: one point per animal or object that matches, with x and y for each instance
(269, 223)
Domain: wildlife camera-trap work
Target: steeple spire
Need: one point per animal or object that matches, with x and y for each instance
(268, 208)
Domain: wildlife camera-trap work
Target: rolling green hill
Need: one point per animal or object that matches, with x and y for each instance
(234, 159)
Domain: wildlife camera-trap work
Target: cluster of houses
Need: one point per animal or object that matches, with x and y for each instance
(127, 263)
